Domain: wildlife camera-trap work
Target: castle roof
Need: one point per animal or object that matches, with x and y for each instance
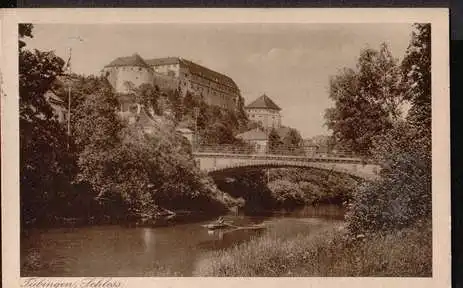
(134, 60)
(254, 134)
(263, 102)
(163, 61)
(195, 69)
(209, 74)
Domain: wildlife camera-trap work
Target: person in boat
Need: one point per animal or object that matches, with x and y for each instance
(220, 220)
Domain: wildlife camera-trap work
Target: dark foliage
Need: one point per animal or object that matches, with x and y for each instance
(403, 195)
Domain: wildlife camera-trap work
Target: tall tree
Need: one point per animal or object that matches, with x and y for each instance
(367, 100)
(403, 195)
(416, 67)
(46, 167)
(292, 140)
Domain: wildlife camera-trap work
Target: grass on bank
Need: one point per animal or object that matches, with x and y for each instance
(404, 253)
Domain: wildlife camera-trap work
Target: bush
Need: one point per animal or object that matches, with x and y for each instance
(403, 194)
(286, 193)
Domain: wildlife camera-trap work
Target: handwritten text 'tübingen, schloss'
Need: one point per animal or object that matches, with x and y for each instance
(71, 283)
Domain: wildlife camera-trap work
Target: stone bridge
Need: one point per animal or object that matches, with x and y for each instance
(213, 162)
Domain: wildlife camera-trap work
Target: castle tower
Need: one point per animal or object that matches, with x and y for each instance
(263, 110)
(126, 72)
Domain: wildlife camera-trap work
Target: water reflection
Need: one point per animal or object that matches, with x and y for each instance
(320, 211)
(148, 239)
(225, 238)
(218, 233)
(109, 251)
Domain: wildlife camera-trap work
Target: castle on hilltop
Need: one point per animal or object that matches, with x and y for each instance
(173, 73)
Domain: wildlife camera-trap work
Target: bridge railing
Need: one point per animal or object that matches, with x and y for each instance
(229, 149)
(283, 151)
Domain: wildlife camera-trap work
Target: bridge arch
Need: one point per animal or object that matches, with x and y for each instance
(227, 172)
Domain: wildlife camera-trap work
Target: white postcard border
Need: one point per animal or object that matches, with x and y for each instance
(438, 17)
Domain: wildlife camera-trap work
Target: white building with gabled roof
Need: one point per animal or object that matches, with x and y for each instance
(264, 111)
(257, 138)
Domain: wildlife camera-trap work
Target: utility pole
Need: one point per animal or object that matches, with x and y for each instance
(195, 140)
(70, 86)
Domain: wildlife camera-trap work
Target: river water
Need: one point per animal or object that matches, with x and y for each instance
(117, 251)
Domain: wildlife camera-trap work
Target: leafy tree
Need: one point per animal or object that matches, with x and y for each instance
(147, 172)
(274, 141)
(241, 115)
(97, 129)
(286, 193)
(416, 68)
(37, 72)
(175, 101)
(219, 134)
(189, 103)
(147, 95)
(80, 87)
(24, 30)
(46, 166)
(403, 195)
(367, 100)
(292, 140)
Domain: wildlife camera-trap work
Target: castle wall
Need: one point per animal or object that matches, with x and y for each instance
(165, 82)
(168, 69)
(120, 76)
(111, 74)
(213, 92)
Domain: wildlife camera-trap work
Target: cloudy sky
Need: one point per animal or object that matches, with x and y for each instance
(291, 63)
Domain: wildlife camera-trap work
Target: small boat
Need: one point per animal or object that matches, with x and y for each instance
(218, 224)
(215, 226)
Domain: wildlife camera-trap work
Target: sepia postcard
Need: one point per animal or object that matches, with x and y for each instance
(225, 147)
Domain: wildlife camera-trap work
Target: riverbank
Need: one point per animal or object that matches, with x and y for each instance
(180, 217)
(328, 253)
